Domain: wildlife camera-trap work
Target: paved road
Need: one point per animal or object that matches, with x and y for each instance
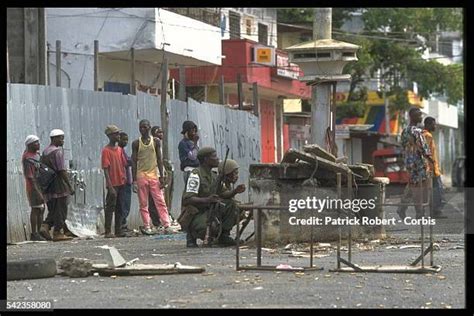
(223, 287)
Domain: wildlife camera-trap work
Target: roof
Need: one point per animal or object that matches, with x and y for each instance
(322, 43)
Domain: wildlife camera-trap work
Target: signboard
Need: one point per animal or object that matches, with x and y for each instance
(342, 131)
(285, 68)
(264, 55)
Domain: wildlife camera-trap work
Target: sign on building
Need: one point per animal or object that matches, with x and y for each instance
(342, 131)
(264, 55)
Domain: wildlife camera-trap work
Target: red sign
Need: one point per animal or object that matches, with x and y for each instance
(284, 68)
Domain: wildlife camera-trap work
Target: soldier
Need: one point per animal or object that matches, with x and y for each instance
(231, 175)
(198, 198)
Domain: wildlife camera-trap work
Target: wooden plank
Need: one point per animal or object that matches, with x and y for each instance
(318, 151)
(363, 170)
(293, 155)
(146, 269)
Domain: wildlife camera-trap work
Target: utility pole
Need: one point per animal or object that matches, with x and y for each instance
(321, 93)
(385, 101)
(58, 63)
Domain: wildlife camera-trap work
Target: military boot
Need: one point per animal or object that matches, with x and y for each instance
(191, 241)
(225, 240)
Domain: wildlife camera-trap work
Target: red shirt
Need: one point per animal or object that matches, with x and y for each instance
(113, 159)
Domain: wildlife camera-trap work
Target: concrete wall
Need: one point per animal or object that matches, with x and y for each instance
(119, 29)
(83, 115)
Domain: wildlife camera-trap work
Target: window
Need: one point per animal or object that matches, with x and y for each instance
(234, 25)
(124, 88)
(262, 34)
(248, 26)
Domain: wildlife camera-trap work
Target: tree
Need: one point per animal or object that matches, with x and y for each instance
(305, 15)
(394, 39)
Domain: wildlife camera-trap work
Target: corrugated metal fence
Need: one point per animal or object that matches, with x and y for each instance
(83, 115)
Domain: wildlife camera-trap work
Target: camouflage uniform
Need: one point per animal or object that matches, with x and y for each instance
(202, 183)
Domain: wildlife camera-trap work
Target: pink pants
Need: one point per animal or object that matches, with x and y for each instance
(152, 186)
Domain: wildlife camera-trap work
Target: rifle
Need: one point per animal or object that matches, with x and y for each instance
(214, 206)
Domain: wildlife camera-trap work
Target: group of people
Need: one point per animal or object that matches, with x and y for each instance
(208, 207)
(421, 161)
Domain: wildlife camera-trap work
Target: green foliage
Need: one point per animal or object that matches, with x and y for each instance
(350, 109)
(305, 15)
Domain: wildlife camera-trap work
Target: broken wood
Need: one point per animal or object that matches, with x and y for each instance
(146, 269)
(363, 170)
(319, 152)
(293, 155)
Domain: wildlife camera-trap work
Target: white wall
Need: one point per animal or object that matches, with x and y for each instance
(118, 30)
(266, 16)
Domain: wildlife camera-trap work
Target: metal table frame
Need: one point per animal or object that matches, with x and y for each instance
(258, 238)
(413, 267)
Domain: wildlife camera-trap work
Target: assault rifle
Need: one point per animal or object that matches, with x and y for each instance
(215, 206)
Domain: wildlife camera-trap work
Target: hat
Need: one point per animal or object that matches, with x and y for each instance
(230, 166)
(56, 132)
(187, 126)
(204, 152)
(30, 139)
(110, 129)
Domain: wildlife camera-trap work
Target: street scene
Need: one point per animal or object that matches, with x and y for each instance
(235, 158)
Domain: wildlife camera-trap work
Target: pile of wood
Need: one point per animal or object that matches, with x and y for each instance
(326, 165)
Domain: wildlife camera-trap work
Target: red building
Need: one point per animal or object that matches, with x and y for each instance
(266, 66)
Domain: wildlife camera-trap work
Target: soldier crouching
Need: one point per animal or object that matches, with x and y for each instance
(200, 197)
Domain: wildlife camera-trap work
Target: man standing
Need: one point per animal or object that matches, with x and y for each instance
(146, 157)
(127, 190)
(438, 191)
(57, 196)
(29, 161)
(113, 162)
(188, 149)
(198, 198)
(417, 156)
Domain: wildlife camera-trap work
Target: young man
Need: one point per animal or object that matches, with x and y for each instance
(438, 192)
(61, 188)
(113, 162)
(417, 157)
(147, 166)
(188, 149)
(127, 190)
(33, 191)
(155, 219)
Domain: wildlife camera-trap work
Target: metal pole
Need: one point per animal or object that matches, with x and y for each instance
(430, 194)
(237, 250)
(164, 109)
(259, 237)
(239, 91)
(133, 88)
(339, 189)
(58, 63)
(385, 101)
(96, 65)
(421, 198)
(256, 105)
(349, 196)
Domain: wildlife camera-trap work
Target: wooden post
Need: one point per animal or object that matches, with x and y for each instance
(163, 108)
(221, 90)
(239, 91)
(182, 83)
(8, 67)
(256, 106)
(133, 89)
(333, 120)
(279, 127)
(96, 65)
(58, 63)
(42, 65)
